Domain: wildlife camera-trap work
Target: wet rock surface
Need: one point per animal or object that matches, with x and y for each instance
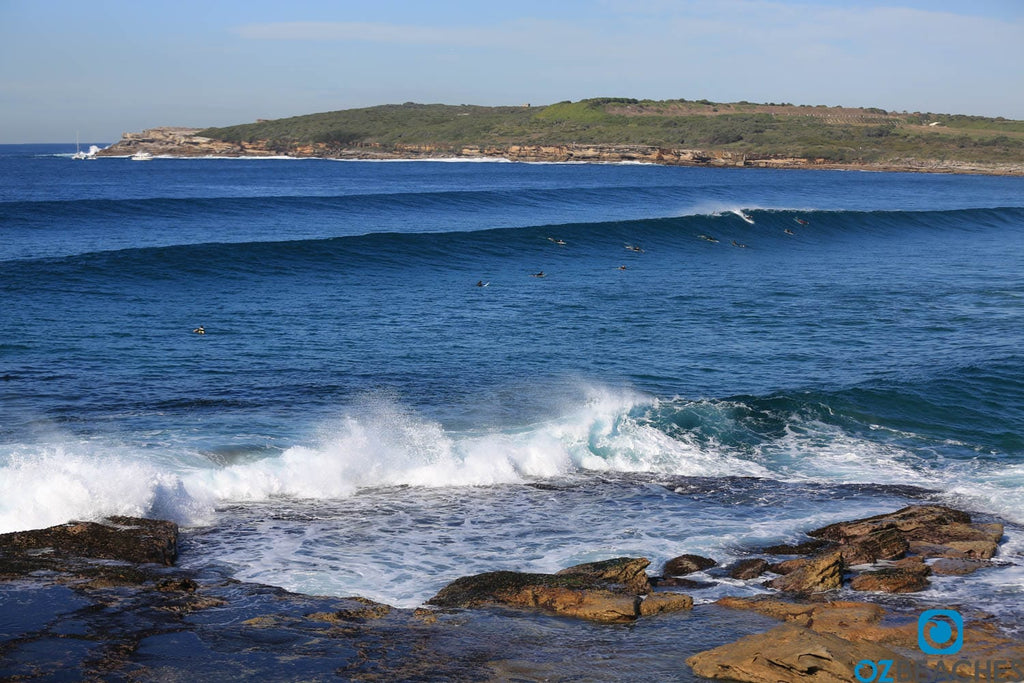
(608, 592)
(103, 601)
(128, 539)
(687, 564)
(895, 545)
(823, 640)
(821, 573)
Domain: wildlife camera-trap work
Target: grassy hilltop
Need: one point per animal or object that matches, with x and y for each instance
(831, 134)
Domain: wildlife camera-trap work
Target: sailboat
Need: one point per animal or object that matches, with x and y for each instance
(79, 154)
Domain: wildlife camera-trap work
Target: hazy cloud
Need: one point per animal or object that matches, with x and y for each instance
(334, 31)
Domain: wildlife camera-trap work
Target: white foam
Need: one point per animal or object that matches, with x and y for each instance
(46, 485)
(384, 444)
(380, 443)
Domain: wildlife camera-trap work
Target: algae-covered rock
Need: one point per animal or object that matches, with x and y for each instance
(128, 539)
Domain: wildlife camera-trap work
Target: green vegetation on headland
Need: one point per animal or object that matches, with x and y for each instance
(690, 131)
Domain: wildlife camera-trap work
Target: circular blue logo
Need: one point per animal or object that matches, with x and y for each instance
(940, 632)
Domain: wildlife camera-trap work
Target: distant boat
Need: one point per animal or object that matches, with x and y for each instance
(79, 154)
(142, 156)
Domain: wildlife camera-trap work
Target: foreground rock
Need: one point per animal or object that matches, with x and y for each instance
(687, 564)
(924, 530)
(824, 641)
(907, 537)
(787, 653)
(822, 573)
(608, 592)
(128, 539)
(626, 571)
(906, 576)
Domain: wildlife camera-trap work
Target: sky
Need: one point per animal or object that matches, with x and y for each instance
(97, 68)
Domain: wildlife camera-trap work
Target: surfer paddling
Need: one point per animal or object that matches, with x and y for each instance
(199, 330)
(540, 274)
(559, 242)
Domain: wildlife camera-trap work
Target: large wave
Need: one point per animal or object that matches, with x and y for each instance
(772, 229)
(379, 442)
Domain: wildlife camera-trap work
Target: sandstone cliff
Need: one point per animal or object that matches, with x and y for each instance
(185, 142)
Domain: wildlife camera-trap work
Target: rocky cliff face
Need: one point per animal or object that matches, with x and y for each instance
(185, 142)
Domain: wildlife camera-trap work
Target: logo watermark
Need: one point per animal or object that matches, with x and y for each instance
(940, 632)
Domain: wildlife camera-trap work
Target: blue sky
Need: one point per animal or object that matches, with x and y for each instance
(104, 67)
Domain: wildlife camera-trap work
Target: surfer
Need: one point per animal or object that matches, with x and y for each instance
(744, 216)
(739, 244)
(200, 330)
(801, 221)
(789, 232)
(540, 274)
(635, 247)
(481, 283)
(559, 242)
(708, 238)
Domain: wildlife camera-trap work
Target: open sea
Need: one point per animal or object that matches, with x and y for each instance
(361, 418)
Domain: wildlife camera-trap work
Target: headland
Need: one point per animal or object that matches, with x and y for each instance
(618, 130)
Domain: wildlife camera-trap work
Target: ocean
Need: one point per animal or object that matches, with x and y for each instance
(388, 394)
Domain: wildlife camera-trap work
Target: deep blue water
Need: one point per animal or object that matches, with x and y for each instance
(868, 336)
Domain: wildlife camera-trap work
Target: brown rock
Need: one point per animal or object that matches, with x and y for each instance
(687, 564)
(748, 569)
(180, 585)
(981, 550)
(975, 549)
(945, 533)
(787, 653)
(850, 620)
(362, 610)
(821, 573)
(128, 539)
(799, 613)
(682, 582)
(957, 567)
(805, 548)
(591, 604)
(994, 531)
(628, 571)
(903, 579)
(570, 595)
(660, 603)
(883, 544)
(906, 520)
(929, 550)
(427, 616)
(789, 566)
